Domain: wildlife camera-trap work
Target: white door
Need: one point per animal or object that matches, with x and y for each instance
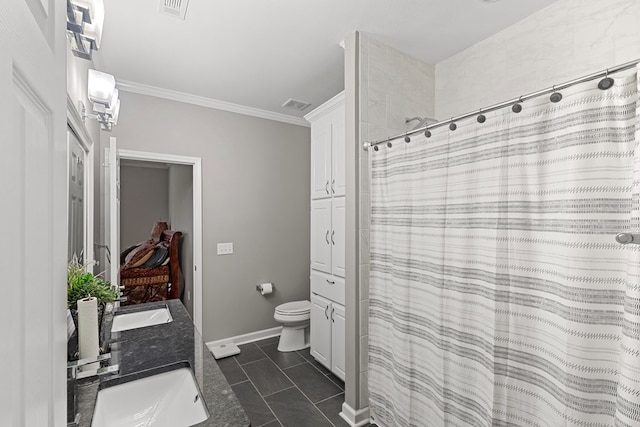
(338, 218)
(320, 330)
(33, 213)
(321, 159)
(321, 235)
(112, 193)
(338, 153)
(338, 340)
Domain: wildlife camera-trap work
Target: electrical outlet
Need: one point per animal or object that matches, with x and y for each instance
(225, 248)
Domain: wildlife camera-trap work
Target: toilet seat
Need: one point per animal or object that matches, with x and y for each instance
(294, 308)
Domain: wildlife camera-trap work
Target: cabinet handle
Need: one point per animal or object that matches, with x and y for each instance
(332, 311)
(331, 282)
(325, 312)
(326, 237)
(333, 181)
(333, 233)
(326, 187)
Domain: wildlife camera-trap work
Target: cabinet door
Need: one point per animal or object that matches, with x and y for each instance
(338, 184)
(338, 340)
(321, 159)
(338, 214)
(321, 235)
(320, 329)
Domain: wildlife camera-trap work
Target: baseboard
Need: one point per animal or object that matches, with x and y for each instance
(247, 338)
(355, 418)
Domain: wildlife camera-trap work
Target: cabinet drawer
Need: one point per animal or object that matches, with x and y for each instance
(328, 286)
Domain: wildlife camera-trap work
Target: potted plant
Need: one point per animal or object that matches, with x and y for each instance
(82, 284)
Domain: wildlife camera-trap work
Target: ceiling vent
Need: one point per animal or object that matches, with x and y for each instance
(175, 8)
(296, 105)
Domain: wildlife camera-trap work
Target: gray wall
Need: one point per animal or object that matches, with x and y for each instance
(144, 199)
(181, 217)
(256, 192)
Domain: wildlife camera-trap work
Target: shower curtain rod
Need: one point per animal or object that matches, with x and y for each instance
(552, 89)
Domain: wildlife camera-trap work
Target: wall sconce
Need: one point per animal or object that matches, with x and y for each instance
(103, 95)
(85, 19)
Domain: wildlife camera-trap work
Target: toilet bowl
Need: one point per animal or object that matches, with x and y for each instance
(294, 317)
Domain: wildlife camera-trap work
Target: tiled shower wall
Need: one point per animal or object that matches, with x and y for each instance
(564, 41)
(393, 86)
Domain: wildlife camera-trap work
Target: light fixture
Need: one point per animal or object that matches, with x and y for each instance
(85, 19)
(104, 97)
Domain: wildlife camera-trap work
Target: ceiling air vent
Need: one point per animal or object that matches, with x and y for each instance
(296, 105)
(175, 8)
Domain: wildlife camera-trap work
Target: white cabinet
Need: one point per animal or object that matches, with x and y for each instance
(328, 149)
(337, 340)
(337, 239)
(328, 334)
(320, 330)
(328, 234)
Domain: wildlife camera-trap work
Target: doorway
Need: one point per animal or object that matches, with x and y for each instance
(182, 184)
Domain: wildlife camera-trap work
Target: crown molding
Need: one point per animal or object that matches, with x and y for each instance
(329, 105)
(129, 86)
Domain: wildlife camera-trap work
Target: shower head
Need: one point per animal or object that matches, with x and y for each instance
(422, 122)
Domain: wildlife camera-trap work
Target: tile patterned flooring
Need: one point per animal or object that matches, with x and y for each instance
(284, 389)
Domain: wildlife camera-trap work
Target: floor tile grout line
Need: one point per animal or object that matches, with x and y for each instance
(307, 397)
(259, 394)
(330, 397)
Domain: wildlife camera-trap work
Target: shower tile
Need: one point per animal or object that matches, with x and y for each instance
(231, 370)
(266, 376)
(311, 382)
(253, 404)
(293, 409)
(365, 280)
(331, 409)
(364, 316)
(364, 388)
(365, 211)
(249, 353)
(365, 250)
(283, 360)
(364, 353)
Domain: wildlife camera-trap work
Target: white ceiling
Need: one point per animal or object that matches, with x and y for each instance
(259, 53)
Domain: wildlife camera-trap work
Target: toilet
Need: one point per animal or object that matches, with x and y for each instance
(294, 317)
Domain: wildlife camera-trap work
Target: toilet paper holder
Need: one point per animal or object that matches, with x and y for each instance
(259, 287)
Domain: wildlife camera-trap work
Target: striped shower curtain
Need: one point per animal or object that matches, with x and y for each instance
(498, 294)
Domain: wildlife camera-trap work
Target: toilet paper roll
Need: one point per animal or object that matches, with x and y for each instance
(88, 330)
(265, 288)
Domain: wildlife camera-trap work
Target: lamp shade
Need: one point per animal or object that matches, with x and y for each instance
(101, 87)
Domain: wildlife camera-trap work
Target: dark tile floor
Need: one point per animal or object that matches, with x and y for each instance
(284, 389)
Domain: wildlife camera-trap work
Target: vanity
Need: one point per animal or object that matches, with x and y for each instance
(166, 359)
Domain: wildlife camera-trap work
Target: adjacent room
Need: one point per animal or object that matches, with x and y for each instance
(323, 214)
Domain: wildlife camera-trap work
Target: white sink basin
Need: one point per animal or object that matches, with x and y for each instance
(169, 399)
(140, 319)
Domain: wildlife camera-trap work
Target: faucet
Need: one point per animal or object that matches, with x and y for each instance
(78, 375)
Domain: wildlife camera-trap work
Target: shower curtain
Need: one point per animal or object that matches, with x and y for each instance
(498, 294)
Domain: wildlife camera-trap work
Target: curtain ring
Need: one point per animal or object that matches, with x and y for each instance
(452, 126)
(406, 137)
(481, 117)
(516, 108)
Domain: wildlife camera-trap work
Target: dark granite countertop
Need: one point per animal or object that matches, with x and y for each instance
(146, 351)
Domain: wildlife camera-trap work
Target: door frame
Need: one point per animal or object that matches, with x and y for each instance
(77, 126)
(196, 165)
